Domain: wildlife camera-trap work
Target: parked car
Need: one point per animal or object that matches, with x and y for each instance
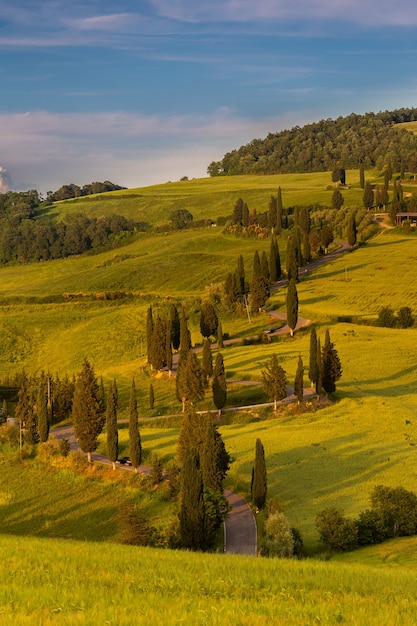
(124, 460)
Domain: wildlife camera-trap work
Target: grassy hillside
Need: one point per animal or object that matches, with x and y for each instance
(69, 582)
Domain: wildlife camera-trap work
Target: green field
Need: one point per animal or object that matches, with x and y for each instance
(53, 314)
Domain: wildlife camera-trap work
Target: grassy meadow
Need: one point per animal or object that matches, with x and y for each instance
(54, 314)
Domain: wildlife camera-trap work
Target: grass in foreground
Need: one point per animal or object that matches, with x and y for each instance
(67, 582)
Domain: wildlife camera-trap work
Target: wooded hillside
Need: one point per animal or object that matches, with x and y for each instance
(373, 139)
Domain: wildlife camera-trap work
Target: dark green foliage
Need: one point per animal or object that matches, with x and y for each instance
(299, 381)
(64, 447)
(319, 381)
(168, 345)
(87, 409)
(151, 397)
(331, 368)
(156, 469)
(259, 487)
(292, 306)
(62, 397)
(149, 334)
(180, 219)
(264, 265)
(237, 214)
(256, 264)
(274, 260)
(220, 335)
(158, 358)
(134, 528)
(219, 386)
(386, 317)
(208, 320)
(374, 526)
(185, 335)
(306, 248)
(25, 414)
(336, 531)
(274, 381)
(135, 443)
(405, 317)
(190, 379)
(215, 508)
(192, 508)
(42, 413)
(175, 326)
(313, 370)
(326, 237)
(207, 359)
(259, 291)
(212, 473)
(111, 423)
(355, 136)
(401, 504)
(337, 199)
(368, 196)
(292, 259)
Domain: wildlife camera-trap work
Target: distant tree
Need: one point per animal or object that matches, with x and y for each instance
(368, 196)
(185, 335)
(87, 409)
(386, 317)
(337, 199)
(207, 359)
(168, 346)
(214, 458)
(272, 212)
(111, 424)
(259, 291)
(336, 174)
(405, 317)
(331, 366)
(259, 488)
(279, 536)
(245, 215)
(42, 412)
(313, 370)
(192, 507)
(326, 237)
(189, 380)
(274, 260)
(315, 242)
(240, 276)
(180, 219)
(158, 358)
(306, 248)
(292, 259)
(149, 333)
(336, 531)
(279, 226)
(274, 381)
(299, 381)
(208, 320)
(238, 212)
(157, 470)
(25, 415)
(264, 266)
(352, 230)
(292, 306)
(151, 397)
(175, 326)
(256, 264)
(319, 384)
(135, 443)
(220, 335)
(400, 504)
(219, 386)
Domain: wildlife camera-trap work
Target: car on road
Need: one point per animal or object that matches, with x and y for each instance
(269, 331)
(124, 460)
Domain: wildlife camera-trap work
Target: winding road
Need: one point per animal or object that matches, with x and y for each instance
(240, 531)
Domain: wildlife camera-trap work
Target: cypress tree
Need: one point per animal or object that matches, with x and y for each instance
(259, 291)
(159, 344)
(135, 443)
(272, 213)
(192, 508)
(306, 248)
(168, 346)
(111, 424)
(368, 196)
(299, 381)
(4, 409)
(279, 226)
(208, 457)
(151, 397)
(238, 212)
(292, 259)
(274, 381)
(189, 380)
(259, 487)
(240, 274)
(256, 264)
(313, 371)
(219, 386)
(88, 414)
(274, 260)
(292, 306)
(185, 336)
(149, 334)
(42, 413)
(208, 320)
(331, 366)
(245, 215)
(264, 266)
(207, 362)
(319, 386)
(24, 413)
(219, 335)
(175, 326)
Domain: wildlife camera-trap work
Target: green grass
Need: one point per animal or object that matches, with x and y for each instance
(67, 582)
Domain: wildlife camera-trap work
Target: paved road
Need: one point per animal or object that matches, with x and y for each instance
(240, 527)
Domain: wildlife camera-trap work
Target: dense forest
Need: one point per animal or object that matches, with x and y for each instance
(74, 191)
(372, 139)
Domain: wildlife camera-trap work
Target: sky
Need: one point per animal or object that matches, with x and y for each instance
(140, 92)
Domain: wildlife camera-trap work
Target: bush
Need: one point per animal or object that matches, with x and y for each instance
(400, 504)
(336, 531)
(405, 318)
(386, 317)
(134, 528)
(374, 527)
(9, 434)
(279, 536)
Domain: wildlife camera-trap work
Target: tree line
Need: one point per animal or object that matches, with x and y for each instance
(371, 139)
(75, 191)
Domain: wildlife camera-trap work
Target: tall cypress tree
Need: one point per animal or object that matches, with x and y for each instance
(240, 274)
(274, 260)
(168, 345)
(111, 424)
(159, 344)
(219, 386)
(149, 334)
(299, 381)
(192, 508)
(189, 380)
(259, 487)
(292, 259)
(352, 231)
(368, 195)
(331, 365)
(313, 371)
(151, 397)
(256, 264)
(185, 335)
(264, 265)
(42, 413)
(207, 363)
(135, 443)
(88, 413)
(274, 381)
(319, 386)
(279, 224)
(219, 335)
(292, 306)
(208, 320)
(24, 413)
(175, 326)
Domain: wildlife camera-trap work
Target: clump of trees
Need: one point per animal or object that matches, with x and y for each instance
(388, 319)
(75, 191)
(325, 367)
(393, 513)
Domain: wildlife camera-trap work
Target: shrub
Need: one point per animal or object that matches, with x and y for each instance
(156, 469)
(9, 434)
(386, 317)
(134, 528)
(400, 504)
(405, 318)
(336, 531)
(279, 536)
(374, 526)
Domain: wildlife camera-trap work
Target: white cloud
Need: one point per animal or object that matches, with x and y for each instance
(52, 149)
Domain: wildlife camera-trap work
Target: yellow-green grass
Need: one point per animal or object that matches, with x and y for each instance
(400, 552)
(209, 198)
(67, 582)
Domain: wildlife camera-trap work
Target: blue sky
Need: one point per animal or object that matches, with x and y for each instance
(145, 91)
